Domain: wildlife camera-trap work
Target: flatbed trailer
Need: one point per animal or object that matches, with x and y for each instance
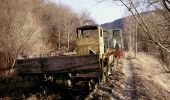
(74, 65)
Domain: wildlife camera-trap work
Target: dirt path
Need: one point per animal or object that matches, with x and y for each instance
(138, 78)
(150, 81)
(130, 81)
(142, 79)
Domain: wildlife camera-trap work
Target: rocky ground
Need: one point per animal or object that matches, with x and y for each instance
(142, 78)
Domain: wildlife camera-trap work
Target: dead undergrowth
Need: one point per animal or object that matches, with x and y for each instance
(112, 89)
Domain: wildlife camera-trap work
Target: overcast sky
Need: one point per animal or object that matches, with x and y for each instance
(100, 12)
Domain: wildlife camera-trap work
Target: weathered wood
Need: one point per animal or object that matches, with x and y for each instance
(87, 75)
(58, 64)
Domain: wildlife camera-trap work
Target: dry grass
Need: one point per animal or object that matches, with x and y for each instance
(152, 69)
(151, 79)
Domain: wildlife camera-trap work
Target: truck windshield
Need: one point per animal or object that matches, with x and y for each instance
(87, 33)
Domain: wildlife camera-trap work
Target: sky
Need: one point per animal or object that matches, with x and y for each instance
(100, 12)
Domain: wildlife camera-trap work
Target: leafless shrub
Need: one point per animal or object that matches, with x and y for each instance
(7, 60)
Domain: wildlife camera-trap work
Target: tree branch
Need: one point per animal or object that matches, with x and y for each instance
(144, 25)
(165, 5)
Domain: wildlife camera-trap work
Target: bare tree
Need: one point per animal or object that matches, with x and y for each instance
(59, 25)
(152, 24)
(19, 33)
(29, 27)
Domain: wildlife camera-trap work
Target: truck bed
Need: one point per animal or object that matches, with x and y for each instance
(59, 64)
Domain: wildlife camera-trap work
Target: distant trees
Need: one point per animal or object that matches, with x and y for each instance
(59, 24)
(152, 27)
(29, 27)
(18, 29)
(149, 23)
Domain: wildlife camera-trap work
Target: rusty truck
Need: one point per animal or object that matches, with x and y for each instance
(89, 64)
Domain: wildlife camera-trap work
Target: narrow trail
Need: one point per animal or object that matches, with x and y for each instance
(134, 80)
(130, 81)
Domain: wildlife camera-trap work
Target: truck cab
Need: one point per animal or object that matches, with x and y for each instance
(90, 40)
(113, 39)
